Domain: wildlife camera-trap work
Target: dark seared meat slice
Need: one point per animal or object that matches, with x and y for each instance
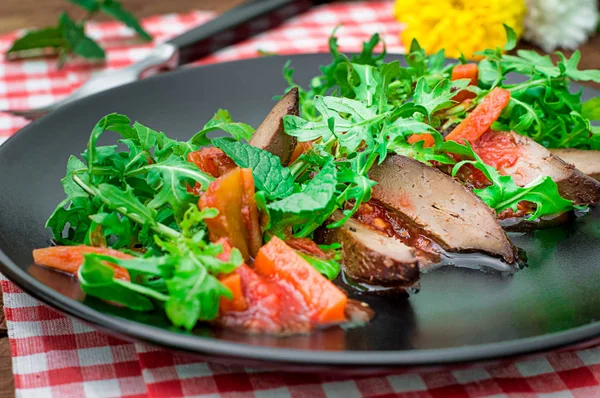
(371, 257)
(270, 135)
(533, 160)
(588, 162)
(443, 208)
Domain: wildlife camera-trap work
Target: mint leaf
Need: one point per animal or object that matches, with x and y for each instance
(116, 10)
(88, 5)
(222, 121)
(269, 175)
(591, 109)
(50, 37)
(78, 42)
(316, 195)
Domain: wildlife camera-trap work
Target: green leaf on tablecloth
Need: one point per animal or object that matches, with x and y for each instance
(25, 46)
(88, 5)
(78, 42)
(116, 10)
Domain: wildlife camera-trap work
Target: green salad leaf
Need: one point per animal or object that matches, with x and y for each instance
(222, 121)
(327, 267)
(504, 194)
(269, 175)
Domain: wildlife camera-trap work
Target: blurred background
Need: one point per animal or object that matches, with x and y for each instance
(19, 14)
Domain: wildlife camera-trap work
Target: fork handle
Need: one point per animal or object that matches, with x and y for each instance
(236, 25)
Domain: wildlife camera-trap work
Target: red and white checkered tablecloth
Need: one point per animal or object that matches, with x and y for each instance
(57, 356)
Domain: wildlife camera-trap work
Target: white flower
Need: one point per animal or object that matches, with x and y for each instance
(560, 23)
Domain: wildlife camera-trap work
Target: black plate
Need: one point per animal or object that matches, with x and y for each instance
(459, 315)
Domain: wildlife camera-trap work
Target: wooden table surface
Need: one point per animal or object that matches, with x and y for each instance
(18, 14)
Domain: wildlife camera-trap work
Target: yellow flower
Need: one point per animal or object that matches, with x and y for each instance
(458, 26)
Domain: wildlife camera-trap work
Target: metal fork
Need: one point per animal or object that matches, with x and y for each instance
(231, 27)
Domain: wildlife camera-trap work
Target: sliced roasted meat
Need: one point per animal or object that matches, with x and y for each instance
(587, 162)
(369, 256)
(530, 160)
(441, 207)
(271, 136)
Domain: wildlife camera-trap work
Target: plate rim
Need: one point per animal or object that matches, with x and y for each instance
(215, 347)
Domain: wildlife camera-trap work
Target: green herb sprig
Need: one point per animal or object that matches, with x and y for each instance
(68, 36)
(137, 201)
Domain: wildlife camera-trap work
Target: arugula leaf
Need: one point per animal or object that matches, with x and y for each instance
(542, 191)
(305, 130)
(125, 203)
(114, 225)
(440, 96)
(269, 175)
(418, 152)
(504, 193)
(511, 38)
(402, 127)
(353, 172)
(416, 58)
(74, 218)
(170, 177)
(116, 10)
(591, 109)
(183, 279)
(97, 279)
(329, 268)
(570, 68)
(370, 89)
(351, 121)
(72, 212)
(541, 107)
(195, 294)
(109, 122)
(222, 121)
(50, 37)
(366, 56)
(78, 42)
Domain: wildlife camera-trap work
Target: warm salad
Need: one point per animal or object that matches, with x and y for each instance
(372, 174)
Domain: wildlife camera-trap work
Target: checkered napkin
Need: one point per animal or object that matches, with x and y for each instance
(57, 356)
